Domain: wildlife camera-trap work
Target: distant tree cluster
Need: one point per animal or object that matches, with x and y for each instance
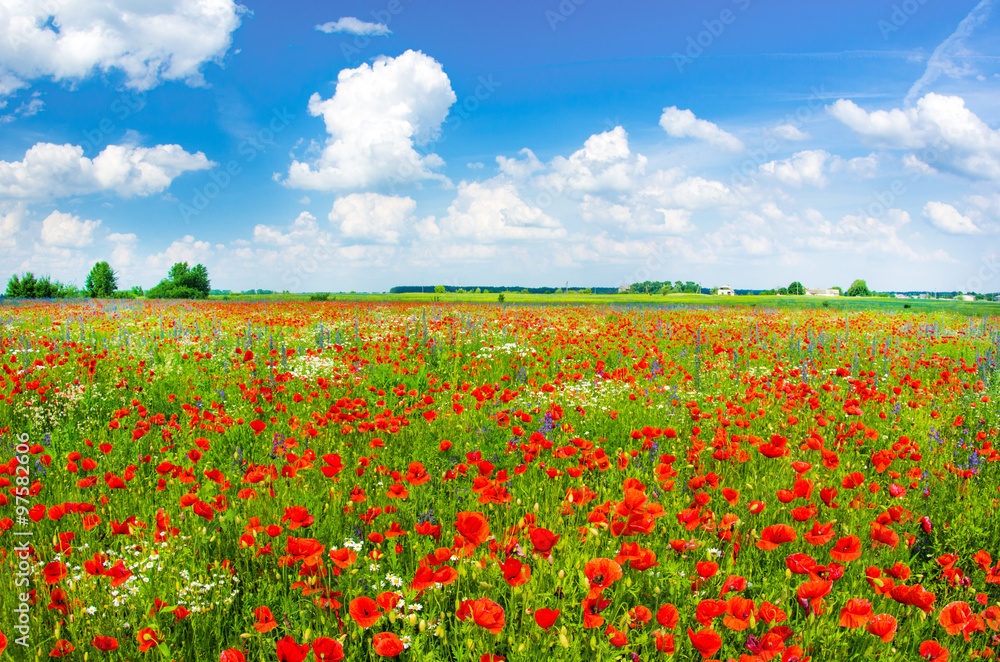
(665, 287)
(183, 282)
(27, 286)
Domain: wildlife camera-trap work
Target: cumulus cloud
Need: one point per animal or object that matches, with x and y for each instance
(947, 135)
(355, 26)
(864, 167)
(604, 163)
(948, 219)
(803, 168)
(380, 218)
(675, 188)
(376, 117)
(68, 231)
(52, 171)
(148, 42)
(488, 212)
(683, 124)
(519, 169)
(790, 132)
(303, 228)
(187, 249)
(10, 225)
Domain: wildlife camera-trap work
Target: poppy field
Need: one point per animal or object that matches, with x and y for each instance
(302, 481)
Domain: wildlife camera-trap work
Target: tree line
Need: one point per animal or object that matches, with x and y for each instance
(182, 282)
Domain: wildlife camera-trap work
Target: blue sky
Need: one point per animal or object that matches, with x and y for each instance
(353, 145)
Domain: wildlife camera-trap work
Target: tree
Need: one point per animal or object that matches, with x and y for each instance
(183, 283)
(439, 289)
(102, 282)
(858, 289)
(29, 287)
(796, 288)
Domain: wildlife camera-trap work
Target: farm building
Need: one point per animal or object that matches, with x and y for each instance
(823, 293)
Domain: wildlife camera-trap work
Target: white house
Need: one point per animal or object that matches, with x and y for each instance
(822, 293)
(726, 292)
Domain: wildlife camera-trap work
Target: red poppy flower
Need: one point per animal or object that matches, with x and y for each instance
(706, 569)
(664, 642)
(543, 541)
(364, 611)
(54, 572)
(473, 527)
(856, 613)
(147, 638)
(846, 549)
(343, 558)
(775, 535)
(616, 637)
(739, 611)
(514, 572)
(61, 648)
(811, 595)
(668, 616)
(602, 573)
(104, 643)
(484, 612)
(289, 651)
(706, 641)
(882, 626)
(265, 620)
(932, 651)
(326, 649)
(387, 644)
(546, 618)
(232, 655)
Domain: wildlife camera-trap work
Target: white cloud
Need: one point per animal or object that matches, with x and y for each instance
(377, 115)
(149, 42)
(675, 188)
(381, 218)
(187, 249)
(790, 132)
(951, 57)
(949, 136)
(52, 171)
(803, 168)
(68, 231)
(303, 228)
(683, 124)
(605, 163)
(10, 225)
(948, 219)
(355, 26)
(520, 169)
(487, 213)
(864, 167)
(123, 254)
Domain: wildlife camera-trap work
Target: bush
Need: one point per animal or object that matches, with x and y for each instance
(319, 296)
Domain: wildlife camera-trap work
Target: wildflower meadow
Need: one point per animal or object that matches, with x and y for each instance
(351, 480)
